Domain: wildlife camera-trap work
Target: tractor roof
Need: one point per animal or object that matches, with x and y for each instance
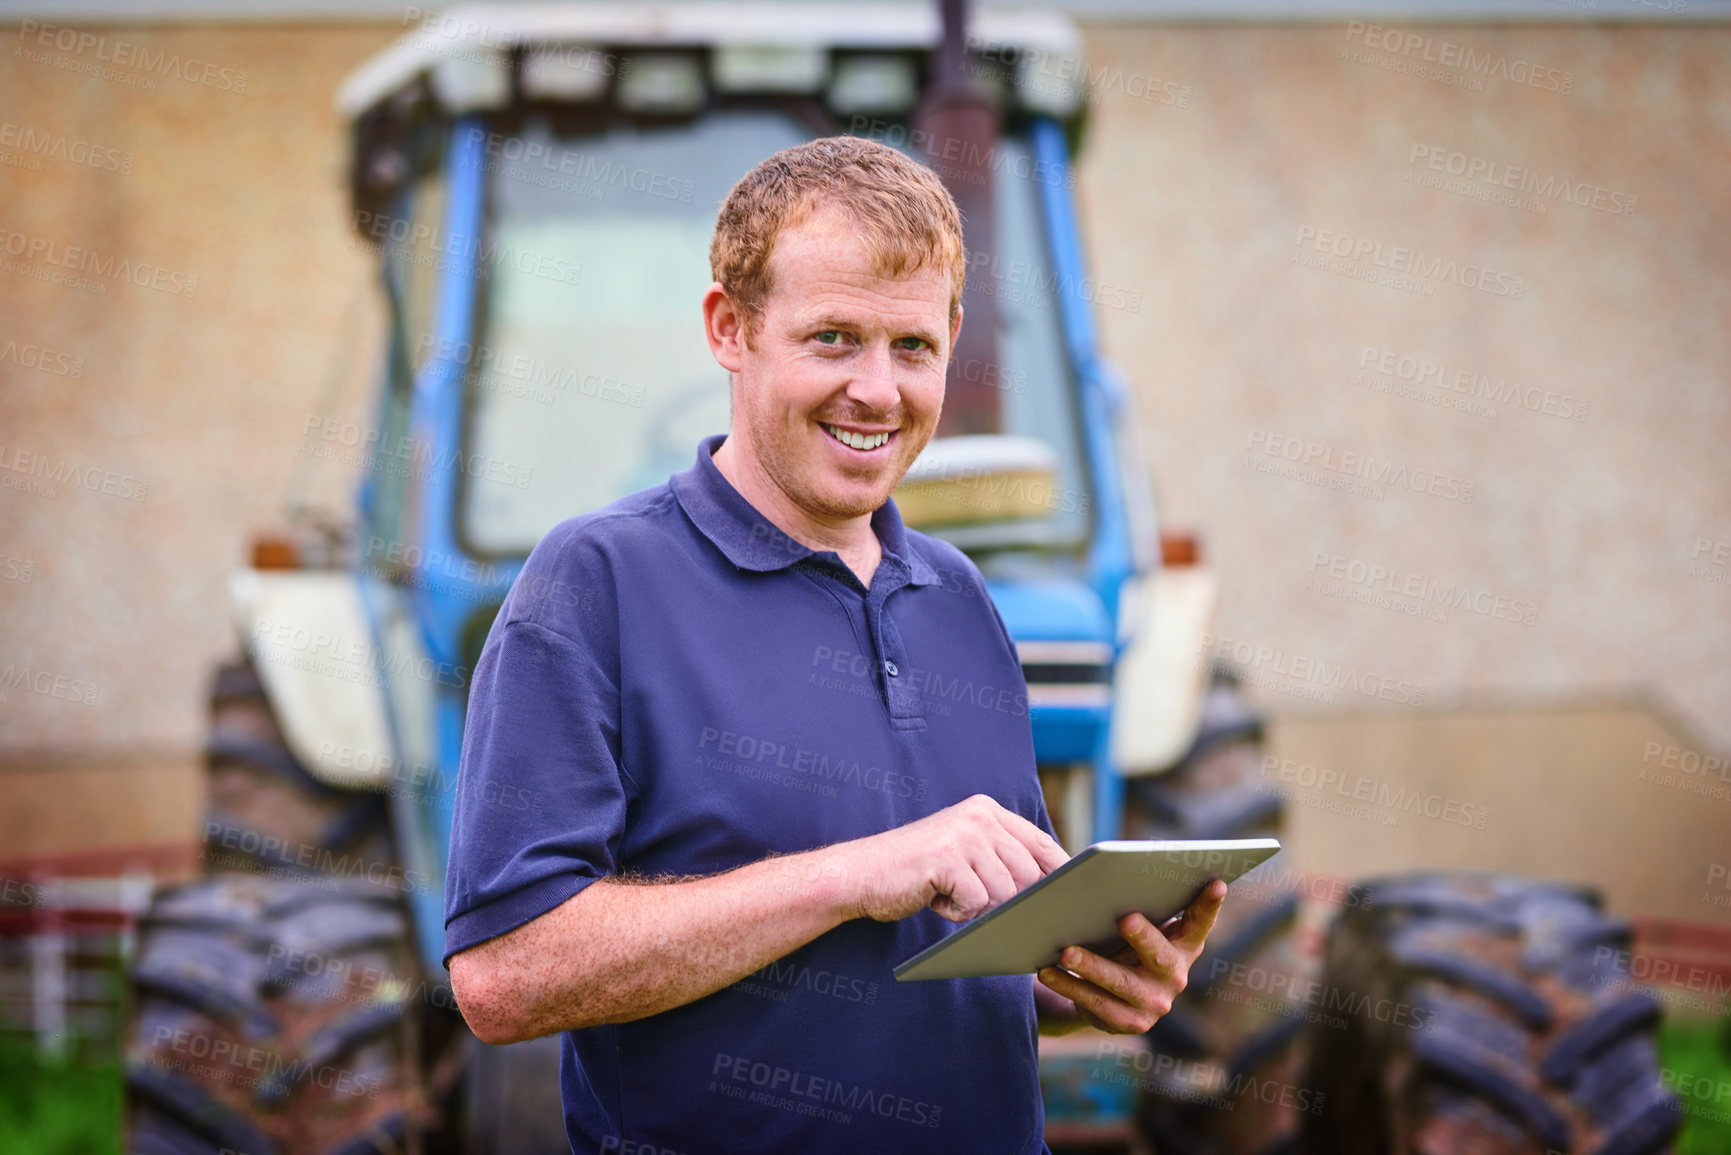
(1043, 48)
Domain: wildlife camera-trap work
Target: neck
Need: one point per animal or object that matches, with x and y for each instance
(852, 538)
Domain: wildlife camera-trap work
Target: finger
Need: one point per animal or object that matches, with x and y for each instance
(1066, 984)
(997, 878)
(1022, 865)
(1109, 1012)
(1114, 978)
(1157, 952)
(1127, 955)
(961, 897)
(1199, 919)
(1042, 846)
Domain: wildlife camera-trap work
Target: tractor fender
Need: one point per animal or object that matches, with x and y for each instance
(310, 640)
(1163, 670)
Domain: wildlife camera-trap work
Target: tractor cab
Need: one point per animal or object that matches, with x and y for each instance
(541, 185)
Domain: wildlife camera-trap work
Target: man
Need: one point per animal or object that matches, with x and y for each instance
(744, 812)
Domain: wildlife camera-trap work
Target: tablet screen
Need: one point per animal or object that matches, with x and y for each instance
(1081, 903)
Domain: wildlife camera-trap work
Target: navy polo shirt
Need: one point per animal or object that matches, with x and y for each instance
(675, 687)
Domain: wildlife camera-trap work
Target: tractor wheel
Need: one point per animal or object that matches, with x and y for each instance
(264, 811)
(276, 1003)
(1230, 1048)
(272, 1017)
(1484, 1016)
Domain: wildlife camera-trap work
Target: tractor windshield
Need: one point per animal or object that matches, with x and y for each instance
(592, 379)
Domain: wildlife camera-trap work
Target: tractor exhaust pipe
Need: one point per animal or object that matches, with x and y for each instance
(961, 122)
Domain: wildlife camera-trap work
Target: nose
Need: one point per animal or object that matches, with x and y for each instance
(874, 384)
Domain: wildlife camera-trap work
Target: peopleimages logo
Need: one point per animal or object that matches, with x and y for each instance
(1027, 282)
(423, 244)
(1357, 469)
(1450, 55)
(1521, 179)
(1306, 669)
(814, 770)
(809, 1094)
(41, 358)
(58, 146)
(1059, 71)
(1709, 561)
(961, 159)
(1693, 766)
(78, 259)
(1394, 581)
(1358, 788)
(396, 453)
(351, 659)
(539, 378)
(126, 54)
(1398, 259)
(1423, 371)
(783, 975)
(585, 169)
(36, 473)
(224, 1060)
(48, 684)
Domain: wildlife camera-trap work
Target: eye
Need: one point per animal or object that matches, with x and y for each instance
(914, 344)
(830, 337)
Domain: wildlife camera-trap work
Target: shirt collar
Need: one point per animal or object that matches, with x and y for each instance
(750, 541)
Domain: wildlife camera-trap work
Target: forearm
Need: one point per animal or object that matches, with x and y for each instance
(620, 950)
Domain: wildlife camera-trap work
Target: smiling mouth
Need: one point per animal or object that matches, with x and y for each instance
(863, 441)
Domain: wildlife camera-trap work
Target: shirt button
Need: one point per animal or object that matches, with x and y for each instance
(890, 669)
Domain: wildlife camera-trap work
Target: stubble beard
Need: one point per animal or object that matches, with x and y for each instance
(802, 487)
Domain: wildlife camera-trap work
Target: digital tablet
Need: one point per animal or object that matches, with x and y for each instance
(1081, 902)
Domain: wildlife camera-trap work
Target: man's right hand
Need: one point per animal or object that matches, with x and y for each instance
(618, 951)
(962, 861)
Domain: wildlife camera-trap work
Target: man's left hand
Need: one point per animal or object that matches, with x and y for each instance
(1127, 993)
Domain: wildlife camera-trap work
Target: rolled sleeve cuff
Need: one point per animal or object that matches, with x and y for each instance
(506, 914)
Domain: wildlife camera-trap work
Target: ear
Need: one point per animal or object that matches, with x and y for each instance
(955, 330)
(724, 326)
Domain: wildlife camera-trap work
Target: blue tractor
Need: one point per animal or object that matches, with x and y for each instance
(540, 184)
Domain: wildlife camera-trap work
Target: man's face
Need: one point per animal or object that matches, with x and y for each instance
(842, 381)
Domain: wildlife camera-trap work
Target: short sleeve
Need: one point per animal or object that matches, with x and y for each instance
(541, 797)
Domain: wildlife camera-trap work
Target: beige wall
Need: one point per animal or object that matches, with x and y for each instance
(1194, 208)
(1572, 794)
(1595, 521)
(204, 397)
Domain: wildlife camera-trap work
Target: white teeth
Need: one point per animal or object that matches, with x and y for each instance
(857, 440)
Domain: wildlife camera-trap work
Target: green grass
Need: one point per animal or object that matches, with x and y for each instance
(1696, 1055)
(67, 1107)
(73, 1107)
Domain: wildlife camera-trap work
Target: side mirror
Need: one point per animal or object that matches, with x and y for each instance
(978, 478)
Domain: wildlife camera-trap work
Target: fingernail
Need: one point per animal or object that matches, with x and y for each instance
(1072, 957)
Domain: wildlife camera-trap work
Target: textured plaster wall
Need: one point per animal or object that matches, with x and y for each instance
(1194, 195)
(1198, 197)
(202, 395)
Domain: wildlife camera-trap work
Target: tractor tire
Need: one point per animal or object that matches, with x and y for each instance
(1484, 1016)
(276, 1003)
(264, 811)
(273, 1016)
(1233, 1034)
